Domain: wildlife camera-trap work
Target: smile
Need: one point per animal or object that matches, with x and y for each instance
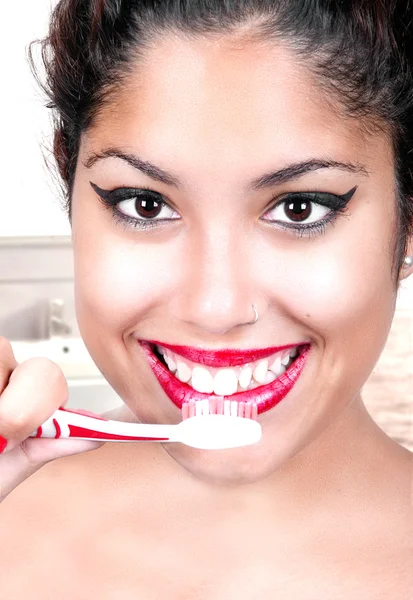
(264, 379)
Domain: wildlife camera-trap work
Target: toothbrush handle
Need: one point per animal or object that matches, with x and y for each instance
(68, 423)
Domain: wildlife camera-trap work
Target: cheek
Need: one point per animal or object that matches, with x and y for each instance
(346, 301)
(116, 283)
(343, 293)
(342, 283)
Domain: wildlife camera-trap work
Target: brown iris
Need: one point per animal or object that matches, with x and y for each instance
(148, 207)
(294, 210)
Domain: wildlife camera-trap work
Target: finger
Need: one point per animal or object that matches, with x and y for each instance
(7, 362)
(36, 388)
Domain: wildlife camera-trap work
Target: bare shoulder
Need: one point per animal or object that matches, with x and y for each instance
(36, 521)
(395, 468)
(73, 489)
(396, 504)
(52, 524)
(400, 465)
(48, 498)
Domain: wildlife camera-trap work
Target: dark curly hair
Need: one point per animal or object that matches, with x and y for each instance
(361, 51)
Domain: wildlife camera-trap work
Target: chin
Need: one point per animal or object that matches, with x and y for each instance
(230, 467)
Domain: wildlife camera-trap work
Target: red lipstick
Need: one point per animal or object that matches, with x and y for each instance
(225, 357)
(266, 396)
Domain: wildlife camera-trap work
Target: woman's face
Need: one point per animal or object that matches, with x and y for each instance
(217, 116)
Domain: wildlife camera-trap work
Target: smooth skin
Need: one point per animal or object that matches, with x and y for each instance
(322, 506)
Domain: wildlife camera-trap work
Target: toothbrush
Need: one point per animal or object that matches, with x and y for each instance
(210, 424)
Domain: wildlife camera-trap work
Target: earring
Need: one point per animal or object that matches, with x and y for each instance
(408, 261)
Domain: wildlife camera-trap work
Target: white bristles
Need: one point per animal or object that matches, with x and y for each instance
(221, 406)
(198, 409)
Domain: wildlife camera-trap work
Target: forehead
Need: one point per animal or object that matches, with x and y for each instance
(244, 100)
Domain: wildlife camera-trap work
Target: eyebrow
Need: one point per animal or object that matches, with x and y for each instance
(288, 173)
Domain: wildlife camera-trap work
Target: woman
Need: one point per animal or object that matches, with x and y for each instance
(209, 152)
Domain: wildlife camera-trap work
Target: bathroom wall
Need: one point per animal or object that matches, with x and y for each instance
(32, 271)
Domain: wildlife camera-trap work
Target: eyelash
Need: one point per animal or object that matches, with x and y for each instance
(337, 204)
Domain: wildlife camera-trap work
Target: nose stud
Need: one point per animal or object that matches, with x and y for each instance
(256, 316)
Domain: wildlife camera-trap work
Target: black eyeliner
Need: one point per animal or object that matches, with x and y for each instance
(326, 198)
(113, 197)
(347, 197)
(105, 194)
(337, 204)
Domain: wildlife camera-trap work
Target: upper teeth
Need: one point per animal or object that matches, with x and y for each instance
(229, 380)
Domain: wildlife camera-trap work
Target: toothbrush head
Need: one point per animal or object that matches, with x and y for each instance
(217, 431)
(219, 405)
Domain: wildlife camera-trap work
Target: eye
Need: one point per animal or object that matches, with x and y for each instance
(140, 208)
(146, 206)
(320, 207)
(298, 209)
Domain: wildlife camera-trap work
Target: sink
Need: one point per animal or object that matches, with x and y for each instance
(70, 353)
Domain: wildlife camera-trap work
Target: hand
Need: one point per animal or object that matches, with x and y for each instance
(30, 393)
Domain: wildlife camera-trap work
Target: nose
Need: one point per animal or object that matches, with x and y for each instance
(217, 291)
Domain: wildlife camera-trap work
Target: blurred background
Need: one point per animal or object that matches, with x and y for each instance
(36, 271)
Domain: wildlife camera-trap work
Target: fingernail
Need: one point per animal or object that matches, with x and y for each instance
(3, 444)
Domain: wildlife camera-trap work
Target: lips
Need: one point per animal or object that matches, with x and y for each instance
(222, 358)
(266, 396)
